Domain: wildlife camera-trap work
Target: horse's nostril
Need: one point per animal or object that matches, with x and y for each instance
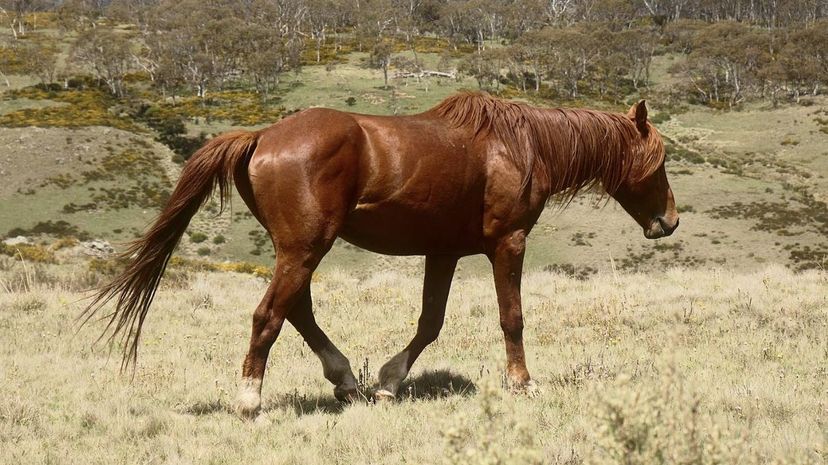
(666, 228)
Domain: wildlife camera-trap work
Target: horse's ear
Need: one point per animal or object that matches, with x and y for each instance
(638, 113)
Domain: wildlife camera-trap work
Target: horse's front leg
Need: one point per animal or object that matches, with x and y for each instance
(436, 285)
(507, 264)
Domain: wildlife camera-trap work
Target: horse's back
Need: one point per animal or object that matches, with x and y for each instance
(404, 185)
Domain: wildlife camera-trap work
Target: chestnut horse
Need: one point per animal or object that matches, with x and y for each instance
(470, 176)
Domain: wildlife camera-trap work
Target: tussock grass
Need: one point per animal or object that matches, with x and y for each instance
(697, 367)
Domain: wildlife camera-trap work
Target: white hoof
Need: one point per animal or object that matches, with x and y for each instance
(383, 395)
(532, 389)
(249, 400)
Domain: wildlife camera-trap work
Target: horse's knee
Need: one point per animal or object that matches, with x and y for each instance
(512, 323)
(514, 244)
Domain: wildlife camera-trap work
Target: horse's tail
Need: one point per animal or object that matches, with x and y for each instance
(133, 290)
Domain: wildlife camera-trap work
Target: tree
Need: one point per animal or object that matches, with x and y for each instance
(79, 15)
(380, 58)
(725, 61)
(805, 58)
(15, 12)
(485, 67)
(41, 60)
(637, 47)
(107, 53)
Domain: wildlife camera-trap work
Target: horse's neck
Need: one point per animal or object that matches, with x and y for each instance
(577, 148)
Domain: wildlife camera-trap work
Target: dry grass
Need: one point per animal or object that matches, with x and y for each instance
(694, 367)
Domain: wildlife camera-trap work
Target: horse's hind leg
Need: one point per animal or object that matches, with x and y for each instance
(436, 286)
(291, 278)
(335, 366)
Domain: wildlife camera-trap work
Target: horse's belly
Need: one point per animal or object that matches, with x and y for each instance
(395, 229)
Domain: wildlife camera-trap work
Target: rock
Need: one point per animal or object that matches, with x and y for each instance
(17, 240)
(98, 248)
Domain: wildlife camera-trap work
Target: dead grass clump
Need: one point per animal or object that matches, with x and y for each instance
(20, 413)
(664, 422)
(467, 443)
(22, 276)
(567, 269)
(28, 303)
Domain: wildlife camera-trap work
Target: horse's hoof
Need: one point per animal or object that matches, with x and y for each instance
(528, 388)
(249, 400)
(382, 395)
(248, 408)
(347, 395)
(532, 389)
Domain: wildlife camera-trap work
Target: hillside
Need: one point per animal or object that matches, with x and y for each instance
(751, 184)
(703, 367)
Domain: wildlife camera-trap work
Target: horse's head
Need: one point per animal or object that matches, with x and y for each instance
(645, 194)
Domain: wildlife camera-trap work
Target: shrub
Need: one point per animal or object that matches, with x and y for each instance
(662, 422)
(203, 251)
(87, 106)
(219, 239)
(660, 117)
(58, 228)
(29, 253)
(198, 237)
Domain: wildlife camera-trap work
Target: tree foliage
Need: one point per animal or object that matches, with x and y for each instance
(728, 52)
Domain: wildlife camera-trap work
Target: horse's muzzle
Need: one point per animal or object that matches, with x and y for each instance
(661, 228)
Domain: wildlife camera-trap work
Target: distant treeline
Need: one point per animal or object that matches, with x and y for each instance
(726, 51)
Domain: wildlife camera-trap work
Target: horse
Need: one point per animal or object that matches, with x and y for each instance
(468, 176)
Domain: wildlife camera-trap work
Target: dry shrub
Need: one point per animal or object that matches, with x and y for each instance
(27, 303)
(20, 276)
(661, 422)
(467, 443)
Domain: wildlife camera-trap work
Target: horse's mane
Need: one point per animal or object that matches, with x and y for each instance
(573, 149)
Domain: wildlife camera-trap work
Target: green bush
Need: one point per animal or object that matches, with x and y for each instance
(198, 237)
(660, 117)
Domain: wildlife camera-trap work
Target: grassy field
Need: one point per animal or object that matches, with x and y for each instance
(696, 367)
